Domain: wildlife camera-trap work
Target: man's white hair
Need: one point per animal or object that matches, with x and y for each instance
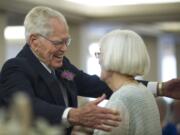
(124, 51)
(37, 21)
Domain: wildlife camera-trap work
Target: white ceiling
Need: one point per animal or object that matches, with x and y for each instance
(170, 11)
(132, 14)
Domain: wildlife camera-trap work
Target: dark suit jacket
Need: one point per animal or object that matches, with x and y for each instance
(25, 73)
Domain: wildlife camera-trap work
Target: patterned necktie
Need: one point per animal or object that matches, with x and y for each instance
(62, 88)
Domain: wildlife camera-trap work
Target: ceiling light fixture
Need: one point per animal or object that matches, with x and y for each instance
(14, 32)
(101, 3)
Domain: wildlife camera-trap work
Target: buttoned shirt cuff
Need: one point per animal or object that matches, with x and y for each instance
(152, 86)
(65, 121)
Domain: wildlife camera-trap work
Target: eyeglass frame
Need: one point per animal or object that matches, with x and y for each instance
(97, 54)
(66, 41)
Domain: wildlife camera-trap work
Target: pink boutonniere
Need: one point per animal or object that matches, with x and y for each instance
(67, 75)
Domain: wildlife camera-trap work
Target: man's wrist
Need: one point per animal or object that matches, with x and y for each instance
(65, 121)
(73, 117)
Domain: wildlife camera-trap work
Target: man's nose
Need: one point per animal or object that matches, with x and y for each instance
(63, 47)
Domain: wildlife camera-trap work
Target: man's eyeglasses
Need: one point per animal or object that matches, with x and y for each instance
(66, 41)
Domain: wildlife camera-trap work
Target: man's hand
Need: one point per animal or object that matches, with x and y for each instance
(93, 116)
(171, 88)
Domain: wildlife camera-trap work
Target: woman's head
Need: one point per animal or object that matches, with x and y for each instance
(124, 51)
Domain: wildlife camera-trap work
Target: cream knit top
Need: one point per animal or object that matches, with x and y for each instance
(138, 111)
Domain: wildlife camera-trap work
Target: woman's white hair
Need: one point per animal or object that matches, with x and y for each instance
(37, 21)
(124, 51)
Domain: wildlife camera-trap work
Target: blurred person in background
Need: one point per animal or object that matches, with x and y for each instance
(168, 128)
(175, 114)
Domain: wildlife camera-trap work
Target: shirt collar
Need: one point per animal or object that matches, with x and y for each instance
(44, 65)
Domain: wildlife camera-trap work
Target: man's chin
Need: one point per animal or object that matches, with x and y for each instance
(55, 66)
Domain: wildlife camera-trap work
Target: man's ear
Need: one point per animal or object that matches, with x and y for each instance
(33, 42)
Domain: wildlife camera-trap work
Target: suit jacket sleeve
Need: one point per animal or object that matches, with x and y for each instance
(88, 85)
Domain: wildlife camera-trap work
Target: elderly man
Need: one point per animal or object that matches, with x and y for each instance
(43, 72)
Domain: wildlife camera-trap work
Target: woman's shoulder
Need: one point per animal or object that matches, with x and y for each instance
(132, 94)
(132, 89)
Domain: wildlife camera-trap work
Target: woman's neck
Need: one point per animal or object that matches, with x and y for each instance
(118, 80)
